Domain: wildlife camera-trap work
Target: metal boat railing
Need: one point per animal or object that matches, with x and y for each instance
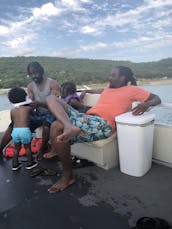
(166, 105)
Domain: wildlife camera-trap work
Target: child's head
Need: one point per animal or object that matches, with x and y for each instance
(17, 95)
(67, 88)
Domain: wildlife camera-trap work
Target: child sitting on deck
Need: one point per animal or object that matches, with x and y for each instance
(21, 133)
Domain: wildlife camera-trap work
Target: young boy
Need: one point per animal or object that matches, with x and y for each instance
(21, 133)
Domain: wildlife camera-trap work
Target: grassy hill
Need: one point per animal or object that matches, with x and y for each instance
(82, 71)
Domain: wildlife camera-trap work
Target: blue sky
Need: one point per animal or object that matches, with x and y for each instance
(134, 30)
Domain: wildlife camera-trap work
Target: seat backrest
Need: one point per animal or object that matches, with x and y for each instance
(90, 99)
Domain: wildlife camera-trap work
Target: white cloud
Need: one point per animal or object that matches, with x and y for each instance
(167, 42)
(24, 51)
(76, 22)
(153, 42)
(131, 17)
(20, 33)
(75, 5)
(89, 30)
(74, 53)
(4, 30)
(86, 1)
(70, 3)
(18, 42)
(66, 52)
(13, 29)
(46, 10)
(98, 45)
(158, 3)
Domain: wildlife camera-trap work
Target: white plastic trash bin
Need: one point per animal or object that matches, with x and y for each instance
(135, 142)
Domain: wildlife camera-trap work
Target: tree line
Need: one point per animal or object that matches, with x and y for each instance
(81, 71)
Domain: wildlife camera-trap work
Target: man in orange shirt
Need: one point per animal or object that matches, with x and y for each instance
(73, 126)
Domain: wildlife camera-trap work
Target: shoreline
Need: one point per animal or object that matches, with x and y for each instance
(141, 82)
(154, 82)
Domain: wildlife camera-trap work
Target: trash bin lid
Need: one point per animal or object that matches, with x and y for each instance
(129, 118)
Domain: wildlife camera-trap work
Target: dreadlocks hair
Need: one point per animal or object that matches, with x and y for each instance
(17, 95)
(70, 88)
(36, 66)
(125, 71)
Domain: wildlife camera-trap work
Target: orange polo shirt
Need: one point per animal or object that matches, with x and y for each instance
(115, 101)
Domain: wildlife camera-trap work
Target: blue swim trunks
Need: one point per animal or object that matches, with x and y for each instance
(93, 127)
(21, 135)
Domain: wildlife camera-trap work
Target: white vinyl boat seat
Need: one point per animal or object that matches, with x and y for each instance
(104, 153)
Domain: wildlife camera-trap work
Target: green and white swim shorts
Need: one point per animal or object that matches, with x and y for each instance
(93, 127)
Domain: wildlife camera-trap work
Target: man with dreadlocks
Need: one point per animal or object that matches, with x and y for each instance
(40, 87)
(98, 123)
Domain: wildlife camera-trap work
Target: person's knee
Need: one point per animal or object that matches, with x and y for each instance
(56, 128)
(56, 125)
(51, 99)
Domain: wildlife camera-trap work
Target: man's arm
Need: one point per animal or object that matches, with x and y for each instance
(30, 92)
(34, 103)
(95, 91)
(76, 104)
(152, 100)
(55, 88)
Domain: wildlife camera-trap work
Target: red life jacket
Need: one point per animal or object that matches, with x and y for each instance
(35, 146)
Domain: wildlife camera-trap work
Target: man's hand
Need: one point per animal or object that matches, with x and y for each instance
(82, 95)
(153, 100)
(140, 108)
(33, 105)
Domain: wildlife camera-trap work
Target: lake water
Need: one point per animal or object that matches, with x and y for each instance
(163, 115)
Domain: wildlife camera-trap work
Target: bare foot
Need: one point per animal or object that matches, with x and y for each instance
(68, 133)
(49, 155)
(61, 184)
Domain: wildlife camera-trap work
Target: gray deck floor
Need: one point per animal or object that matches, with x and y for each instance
(100, 199)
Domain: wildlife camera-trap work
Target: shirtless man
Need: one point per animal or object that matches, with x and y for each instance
(40, 87)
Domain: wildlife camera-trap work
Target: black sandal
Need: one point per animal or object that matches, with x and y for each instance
(40, 171)
(78, 163)
(36, 171)
(48, 172)
(151, 223)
